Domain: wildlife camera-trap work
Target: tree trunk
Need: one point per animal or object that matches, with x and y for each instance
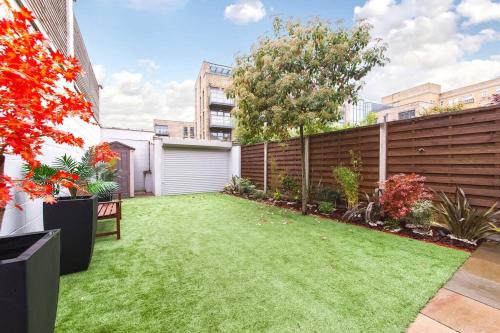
(2, 168)
(303, 167)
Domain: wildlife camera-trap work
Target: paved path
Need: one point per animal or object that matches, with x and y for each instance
(470, 301)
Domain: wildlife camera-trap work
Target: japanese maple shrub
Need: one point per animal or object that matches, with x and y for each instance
(35, 99)
(401, 192)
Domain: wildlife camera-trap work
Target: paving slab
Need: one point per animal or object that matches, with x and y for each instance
(424, 324)
(478, 288)
(462, 314)
(483, 268)
(489, 251)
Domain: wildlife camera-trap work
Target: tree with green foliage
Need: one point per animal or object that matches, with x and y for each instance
(442, 109)
(301, 76)
(370, 119)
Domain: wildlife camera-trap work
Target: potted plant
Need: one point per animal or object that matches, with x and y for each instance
(34, 101)
(76, 214)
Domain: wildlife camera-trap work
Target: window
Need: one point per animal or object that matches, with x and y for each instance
(484, 93)
(161, 130)
(468, 99)
(406, 114)
(191, 132)
(222, 136)
(497, 90)
(185, 132)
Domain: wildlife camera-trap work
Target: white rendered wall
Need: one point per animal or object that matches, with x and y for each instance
(142, 161)
(30, 217)
(235, 161)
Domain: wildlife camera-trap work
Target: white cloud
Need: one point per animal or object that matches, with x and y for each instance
(156, 4)
(149, 65)
(478, 11)
(100, 72)
(426, 44)
(245, 11)
(128, 100)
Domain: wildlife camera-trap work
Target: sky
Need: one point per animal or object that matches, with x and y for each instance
(147, 53)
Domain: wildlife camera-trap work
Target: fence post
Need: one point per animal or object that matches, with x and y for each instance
(306, 160)
(265, 167)
(382, 163)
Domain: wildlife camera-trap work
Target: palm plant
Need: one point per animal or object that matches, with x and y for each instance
(96, 178)
(463, 221)
(90, 176)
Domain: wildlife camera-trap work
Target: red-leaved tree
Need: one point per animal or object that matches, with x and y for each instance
(400, 194)
(35, 98)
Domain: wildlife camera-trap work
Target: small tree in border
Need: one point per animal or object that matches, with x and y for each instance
(301, 77)
(34, 101)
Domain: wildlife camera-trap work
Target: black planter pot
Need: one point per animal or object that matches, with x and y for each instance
(29, 282)
(77, 219)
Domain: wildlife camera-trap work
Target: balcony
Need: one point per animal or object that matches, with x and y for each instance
(218, 97)
(221, 122)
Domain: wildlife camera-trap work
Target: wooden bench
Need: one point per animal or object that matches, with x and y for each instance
(110, 210)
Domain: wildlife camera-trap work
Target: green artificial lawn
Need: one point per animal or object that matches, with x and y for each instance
(211, 262)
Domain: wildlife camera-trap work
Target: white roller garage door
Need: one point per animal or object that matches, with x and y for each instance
(194, 170)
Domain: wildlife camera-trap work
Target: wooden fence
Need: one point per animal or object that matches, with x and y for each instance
(460, 148)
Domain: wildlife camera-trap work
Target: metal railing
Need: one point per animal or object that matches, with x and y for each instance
(221, 122)
(218, 97)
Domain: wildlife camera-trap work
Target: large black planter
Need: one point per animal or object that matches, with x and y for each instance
(77, 219)
(29, 282)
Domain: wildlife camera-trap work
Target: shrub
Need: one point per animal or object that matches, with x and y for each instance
(321, 192)
(290, 187)
(239, 185)
(463, 221)
(246, 186)
(421, 214)
(277, 195)
(349, 179)
(325, 207)
(349, 183)
(259, 194)
(401, 193)
(369, 209)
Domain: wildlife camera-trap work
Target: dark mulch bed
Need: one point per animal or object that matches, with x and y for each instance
(438, 237)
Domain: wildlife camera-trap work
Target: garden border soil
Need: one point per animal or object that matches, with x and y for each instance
(439, 236)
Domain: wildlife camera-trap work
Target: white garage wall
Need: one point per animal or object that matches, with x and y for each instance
(30, 217)
(141, 141)
(194, 170)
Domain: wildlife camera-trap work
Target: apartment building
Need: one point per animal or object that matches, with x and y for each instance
(175, 129)
(56, 20)
(355, 113)
(212, 108)
(412, 102)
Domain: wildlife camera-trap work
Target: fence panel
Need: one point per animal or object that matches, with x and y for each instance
(460, 148)
(252, 163)
(332, 149)
(283, 158)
